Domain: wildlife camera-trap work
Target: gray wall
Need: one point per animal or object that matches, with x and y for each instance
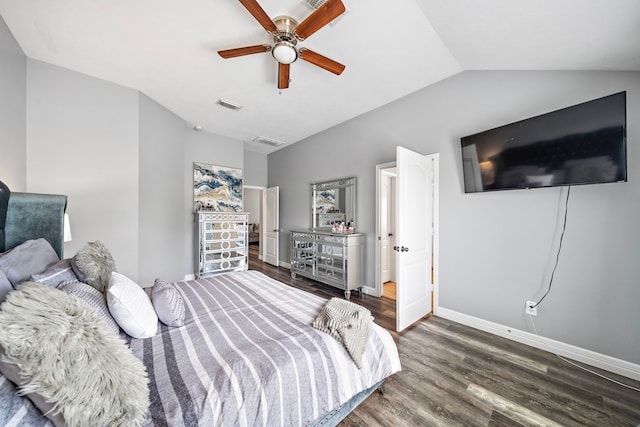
(13, 87)
(126, 164)
(497, 249)
(162, 229)
(82, 141)
(255, 169)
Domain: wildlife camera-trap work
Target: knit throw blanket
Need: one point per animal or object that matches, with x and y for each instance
(348, 323)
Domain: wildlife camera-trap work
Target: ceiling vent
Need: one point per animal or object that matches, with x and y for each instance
(268, 141)
(228, 105)
(313, 4)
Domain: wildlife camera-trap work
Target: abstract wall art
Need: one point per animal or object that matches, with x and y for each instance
(217, 188)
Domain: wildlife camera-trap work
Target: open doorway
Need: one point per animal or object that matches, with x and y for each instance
(387, 220)
(253, 206)
(407, 234)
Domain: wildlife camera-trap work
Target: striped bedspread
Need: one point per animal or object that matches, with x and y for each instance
(248, 356)
(17, 411)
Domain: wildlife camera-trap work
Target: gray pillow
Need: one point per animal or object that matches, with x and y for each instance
(93, 265)
(168, 303)
(56, 275)
(26, 402)
(30, 257)
(5, 286)
(91, 297)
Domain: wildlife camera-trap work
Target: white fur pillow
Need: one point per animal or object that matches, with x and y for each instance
(67, 356)
(131, 307)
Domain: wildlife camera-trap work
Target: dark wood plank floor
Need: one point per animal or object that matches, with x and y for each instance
(453, 375)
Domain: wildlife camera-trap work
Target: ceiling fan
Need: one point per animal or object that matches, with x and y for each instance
(286, 33)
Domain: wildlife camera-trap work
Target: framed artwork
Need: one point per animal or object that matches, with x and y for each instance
(217, 188)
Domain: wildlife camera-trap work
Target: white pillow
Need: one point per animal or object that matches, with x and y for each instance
(131, 307)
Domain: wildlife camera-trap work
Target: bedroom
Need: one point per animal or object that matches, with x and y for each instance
(127, 159)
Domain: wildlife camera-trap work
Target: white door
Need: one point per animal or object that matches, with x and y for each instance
(271, 222)
(414, 221)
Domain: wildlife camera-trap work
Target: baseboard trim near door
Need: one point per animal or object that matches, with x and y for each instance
(602, 361)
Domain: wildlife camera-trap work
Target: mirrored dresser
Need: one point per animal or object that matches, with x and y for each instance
(336, 259)
(222, 242)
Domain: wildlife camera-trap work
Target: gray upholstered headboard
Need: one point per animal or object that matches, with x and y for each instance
(25, 216)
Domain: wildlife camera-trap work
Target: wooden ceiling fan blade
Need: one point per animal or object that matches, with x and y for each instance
(261, 16)
(283, 75)
(241, 51)
(326, 13)
(321, 61)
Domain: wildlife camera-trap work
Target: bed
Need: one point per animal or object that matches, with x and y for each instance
(246, 354)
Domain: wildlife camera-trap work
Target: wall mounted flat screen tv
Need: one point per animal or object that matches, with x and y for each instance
(581, 144)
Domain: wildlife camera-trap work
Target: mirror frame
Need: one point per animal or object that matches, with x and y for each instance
(346, 183)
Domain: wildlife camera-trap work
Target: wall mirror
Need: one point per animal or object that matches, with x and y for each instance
(333, 202)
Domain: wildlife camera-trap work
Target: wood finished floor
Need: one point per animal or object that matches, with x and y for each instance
(389, 290)
(454, 375)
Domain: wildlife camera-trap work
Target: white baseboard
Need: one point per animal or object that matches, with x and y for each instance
(602, 361)
(189, 277)
(285, 265)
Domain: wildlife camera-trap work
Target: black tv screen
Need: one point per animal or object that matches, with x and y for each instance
(581, 144)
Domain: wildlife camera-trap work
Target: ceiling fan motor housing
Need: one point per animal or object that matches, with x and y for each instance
(284, 49)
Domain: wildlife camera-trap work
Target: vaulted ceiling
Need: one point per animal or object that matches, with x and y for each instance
(167, 49)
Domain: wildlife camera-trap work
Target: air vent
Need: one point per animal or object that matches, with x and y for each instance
(228, 105)
(268, 141)
(313, 4)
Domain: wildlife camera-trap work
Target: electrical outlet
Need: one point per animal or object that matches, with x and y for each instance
(530, 308)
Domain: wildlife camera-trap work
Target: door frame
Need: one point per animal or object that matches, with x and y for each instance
(377, 290)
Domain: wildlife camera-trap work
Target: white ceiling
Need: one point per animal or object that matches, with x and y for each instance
(167, 50)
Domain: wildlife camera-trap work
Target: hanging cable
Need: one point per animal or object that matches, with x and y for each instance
(564, 227)
(533, 325)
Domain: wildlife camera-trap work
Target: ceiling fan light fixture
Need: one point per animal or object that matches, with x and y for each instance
(284, 52)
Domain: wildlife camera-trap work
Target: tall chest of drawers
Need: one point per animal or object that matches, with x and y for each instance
(222, 242)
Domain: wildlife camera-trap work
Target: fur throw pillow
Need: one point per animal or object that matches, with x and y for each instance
(67, 355)
(93, 264)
